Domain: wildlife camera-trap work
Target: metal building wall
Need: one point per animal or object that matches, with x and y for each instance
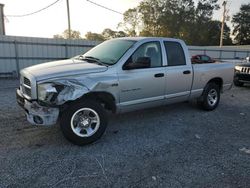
(226, 52)
(19, 52)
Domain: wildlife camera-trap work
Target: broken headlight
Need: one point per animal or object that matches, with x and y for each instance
(48, 92)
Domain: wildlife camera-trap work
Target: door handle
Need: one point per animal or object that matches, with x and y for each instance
(186, 72)
(159, 75)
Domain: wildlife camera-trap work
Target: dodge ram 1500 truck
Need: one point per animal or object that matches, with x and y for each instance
(118, 75)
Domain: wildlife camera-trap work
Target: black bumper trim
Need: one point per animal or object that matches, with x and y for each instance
(242, 77)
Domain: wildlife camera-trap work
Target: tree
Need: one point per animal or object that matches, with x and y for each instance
(105, 35)
(94, 36)
(213, 34)
(109, 34)
(131, 22)
(159, 18)
(171, 18)
(150, 15)
(177, 18)
(241, 25)
(199, 34)
(205, 8)
(65, 35)
(121, 34)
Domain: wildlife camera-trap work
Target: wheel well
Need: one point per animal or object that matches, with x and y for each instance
(105, 98)
(217, 81)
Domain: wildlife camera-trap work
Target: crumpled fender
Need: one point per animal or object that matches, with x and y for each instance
(76, 88)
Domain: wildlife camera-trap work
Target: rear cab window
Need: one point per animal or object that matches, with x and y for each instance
(175, 53)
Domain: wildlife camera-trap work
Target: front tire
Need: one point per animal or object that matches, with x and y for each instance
(83, 123)
(210, 97)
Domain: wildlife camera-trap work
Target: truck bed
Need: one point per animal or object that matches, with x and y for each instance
(202, 73)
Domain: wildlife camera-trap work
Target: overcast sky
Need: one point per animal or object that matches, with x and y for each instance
(84, 16)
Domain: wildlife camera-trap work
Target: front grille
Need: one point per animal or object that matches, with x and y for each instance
(27, 91)
(245, 70)
(26, 81)
(244, 77)
(26, 86)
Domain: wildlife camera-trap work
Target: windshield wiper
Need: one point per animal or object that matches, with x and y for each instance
(91, 59)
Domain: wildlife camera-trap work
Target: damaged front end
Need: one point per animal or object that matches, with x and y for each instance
(35, 113)
(53, 94)
(41, 115)
(45, 111)
(58, 92)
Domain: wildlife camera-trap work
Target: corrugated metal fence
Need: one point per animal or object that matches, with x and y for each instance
(230, 52)
(19, 52)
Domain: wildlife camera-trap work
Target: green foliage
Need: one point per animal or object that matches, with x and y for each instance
(177, 19)
(241, 24)
(65, 35)
(109, 34)
(213, 34)
(131, 22)
(94, 36)
(105, 35)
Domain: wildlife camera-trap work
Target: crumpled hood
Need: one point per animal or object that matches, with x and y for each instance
(63, 68)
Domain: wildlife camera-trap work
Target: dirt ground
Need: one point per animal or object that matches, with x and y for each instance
(171, 146)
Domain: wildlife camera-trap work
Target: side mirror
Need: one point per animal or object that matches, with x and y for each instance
(141, 62)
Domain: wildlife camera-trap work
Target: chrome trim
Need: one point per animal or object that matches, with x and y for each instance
(32, 87)
(138, 101)
(245, 70)
(180, 94)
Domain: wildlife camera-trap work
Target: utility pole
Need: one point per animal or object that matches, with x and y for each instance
(69, 27)
(224, 4)
(2, 27)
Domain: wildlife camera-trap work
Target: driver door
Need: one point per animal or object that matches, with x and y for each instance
(143, 85)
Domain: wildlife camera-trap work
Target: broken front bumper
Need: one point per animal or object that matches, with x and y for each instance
(35, 113)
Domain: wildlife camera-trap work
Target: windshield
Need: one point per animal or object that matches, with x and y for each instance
(109, 52)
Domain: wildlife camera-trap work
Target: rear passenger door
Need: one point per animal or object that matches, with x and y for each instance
(179, 75)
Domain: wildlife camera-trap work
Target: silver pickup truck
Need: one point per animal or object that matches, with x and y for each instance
(118, 75)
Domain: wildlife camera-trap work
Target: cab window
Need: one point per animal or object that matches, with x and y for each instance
(149, 50)
(175, 54)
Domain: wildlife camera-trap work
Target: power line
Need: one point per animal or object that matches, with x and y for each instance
(29, 14)
(104, 7)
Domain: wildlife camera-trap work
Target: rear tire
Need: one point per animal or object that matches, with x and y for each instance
(83, 123)
(210, 97)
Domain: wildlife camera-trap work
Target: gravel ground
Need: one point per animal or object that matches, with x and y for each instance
(172, 146)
